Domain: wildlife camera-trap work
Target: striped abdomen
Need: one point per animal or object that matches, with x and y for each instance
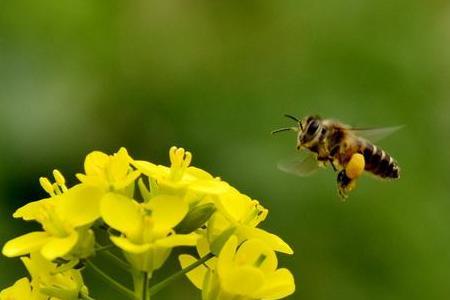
(379, 162)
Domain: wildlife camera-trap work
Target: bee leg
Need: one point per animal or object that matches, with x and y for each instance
(330, 160)
(344, 184)
(346, 179)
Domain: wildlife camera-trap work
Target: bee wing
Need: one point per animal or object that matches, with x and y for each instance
(301, 165)
(375, 134)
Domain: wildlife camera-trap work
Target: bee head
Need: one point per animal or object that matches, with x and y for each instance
(307, 129)
(310, 127)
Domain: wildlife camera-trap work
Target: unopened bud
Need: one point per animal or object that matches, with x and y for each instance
(195, 218)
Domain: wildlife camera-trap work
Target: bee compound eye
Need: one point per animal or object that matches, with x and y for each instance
(313, 126)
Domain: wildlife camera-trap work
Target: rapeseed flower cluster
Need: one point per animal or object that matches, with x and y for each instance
(147, 210)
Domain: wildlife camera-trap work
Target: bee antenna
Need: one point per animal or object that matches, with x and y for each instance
(284, 129)
(292, 117)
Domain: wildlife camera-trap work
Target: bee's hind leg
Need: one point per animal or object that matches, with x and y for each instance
(344, 184)
(346, 179)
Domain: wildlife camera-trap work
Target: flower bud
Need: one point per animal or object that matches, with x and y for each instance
(195, 218)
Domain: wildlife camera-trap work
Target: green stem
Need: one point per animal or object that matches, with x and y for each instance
(103, 248)
(120, 263)
(65, 267)
(145, 292)
(161, 285)
(119, 287)
(85, 297)
(140, 281)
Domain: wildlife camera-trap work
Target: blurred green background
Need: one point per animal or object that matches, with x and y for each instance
(216, 77)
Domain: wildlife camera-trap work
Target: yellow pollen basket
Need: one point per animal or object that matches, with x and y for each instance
(355, 166)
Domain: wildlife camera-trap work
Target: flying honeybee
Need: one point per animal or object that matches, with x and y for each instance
(349, 151)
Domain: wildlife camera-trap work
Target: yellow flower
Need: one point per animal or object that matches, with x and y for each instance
(21, 290)
(46, 281)
(246, 271)
(181, 177)
(65, 218)
(241, 214)
(109, 172)
(147, 234)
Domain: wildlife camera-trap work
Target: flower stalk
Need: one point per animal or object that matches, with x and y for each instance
(113, 283)
(164, 283)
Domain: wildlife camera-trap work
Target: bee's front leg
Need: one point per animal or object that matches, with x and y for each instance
(331, 161)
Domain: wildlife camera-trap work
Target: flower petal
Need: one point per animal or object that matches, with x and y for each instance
(119, 164)
(226, 256)
(167, 211)
(80, 205)
(31, 211)
(251, 251)
(25, 244)
(212, 186)
(95, 163)
(242, 278)
(127, 246)
(121, 213)
(36, 264)
(275, 242)
(234, 205)
(127, 180)
(151, 170)
(59, 247)
(197, 275)
(242, 281)
(198, 173)
(279, 284)
(175, 240)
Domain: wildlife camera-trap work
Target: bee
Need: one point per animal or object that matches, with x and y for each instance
(349, 151)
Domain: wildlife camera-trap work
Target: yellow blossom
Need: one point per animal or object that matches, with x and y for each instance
(246, 271)
(109, 172)
(65, 219)
(241, 214)
(147, 234)
(176, 206)
(180, 177)
(46, 281)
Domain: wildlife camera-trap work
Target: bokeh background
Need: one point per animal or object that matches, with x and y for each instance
(216, 77)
